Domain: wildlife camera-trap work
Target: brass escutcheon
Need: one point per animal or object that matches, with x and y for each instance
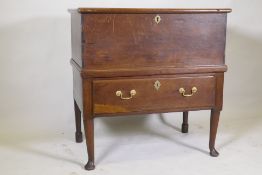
(157, 19)
(157, 85)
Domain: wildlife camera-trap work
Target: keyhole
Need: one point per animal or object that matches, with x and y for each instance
(157, 85)
(157, 19)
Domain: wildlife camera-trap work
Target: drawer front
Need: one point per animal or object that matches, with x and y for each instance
(153, 94)
(115, 40)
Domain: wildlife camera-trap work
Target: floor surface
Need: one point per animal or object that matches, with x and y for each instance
(140, 145)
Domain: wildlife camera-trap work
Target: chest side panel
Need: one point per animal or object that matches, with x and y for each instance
(76, 38)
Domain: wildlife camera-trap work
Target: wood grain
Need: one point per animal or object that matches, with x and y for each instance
(113, 41)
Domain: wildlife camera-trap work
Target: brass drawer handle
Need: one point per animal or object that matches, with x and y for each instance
(120, 94)
(183, 91)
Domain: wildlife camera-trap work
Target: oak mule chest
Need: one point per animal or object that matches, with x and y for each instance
(136, 61)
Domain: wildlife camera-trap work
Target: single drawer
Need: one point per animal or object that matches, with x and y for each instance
(168, 94)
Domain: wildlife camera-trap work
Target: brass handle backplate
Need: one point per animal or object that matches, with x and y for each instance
(183, 92)
(120, 94)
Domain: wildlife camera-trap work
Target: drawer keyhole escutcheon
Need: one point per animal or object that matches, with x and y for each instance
(183, 92)
(120, 94)
(157, 19)
(157, 85)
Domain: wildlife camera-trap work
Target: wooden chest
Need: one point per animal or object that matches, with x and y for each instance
(134, 61)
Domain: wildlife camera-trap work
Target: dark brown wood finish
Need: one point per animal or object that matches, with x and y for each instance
(78, 134)
(88, 123)
(141, 71)
(137, 38)
(214, 119)
(148, 10)
(136, 61)
(185, 122)
(148, 98)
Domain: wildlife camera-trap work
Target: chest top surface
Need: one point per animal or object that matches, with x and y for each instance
(151, 10)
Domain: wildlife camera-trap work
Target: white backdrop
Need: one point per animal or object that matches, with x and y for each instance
(36, 79)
